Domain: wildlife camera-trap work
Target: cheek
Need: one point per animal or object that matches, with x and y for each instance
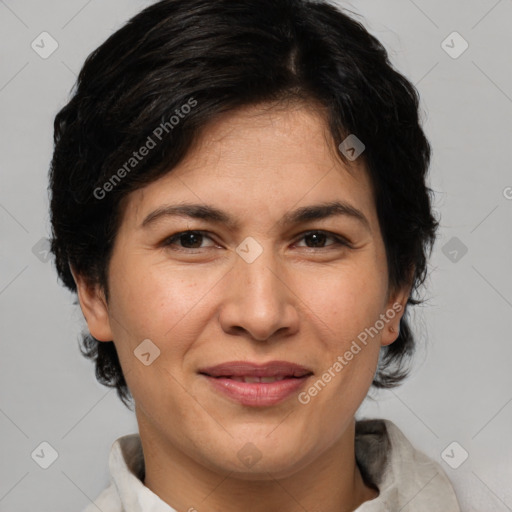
(153, 303)
(152, 300)
(345, 300)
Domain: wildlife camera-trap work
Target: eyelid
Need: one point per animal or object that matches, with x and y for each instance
(339, 240)
(168, 240)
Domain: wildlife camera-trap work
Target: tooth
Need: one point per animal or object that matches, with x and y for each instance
(251, 379)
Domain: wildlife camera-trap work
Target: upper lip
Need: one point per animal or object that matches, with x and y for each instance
(247, 369)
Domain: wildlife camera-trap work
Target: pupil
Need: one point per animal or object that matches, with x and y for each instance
(188, 239)
(315, 237)
(190, 236)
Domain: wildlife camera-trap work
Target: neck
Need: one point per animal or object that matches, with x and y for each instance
(331, 483)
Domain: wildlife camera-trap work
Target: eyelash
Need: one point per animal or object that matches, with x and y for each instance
(338, 241)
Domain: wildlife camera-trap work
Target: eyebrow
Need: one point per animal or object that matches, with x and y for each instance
(217, 216)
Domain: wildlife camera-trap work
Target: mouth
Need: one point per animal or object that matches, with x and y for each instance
(244, 369)
(247, 378)
(255, 384)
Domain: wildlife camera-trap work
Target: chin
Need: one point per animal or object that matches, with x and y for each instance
(263, 458)
(267, 468)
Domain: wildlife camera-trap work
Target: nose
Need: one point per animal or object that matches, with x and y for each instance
(259, 299)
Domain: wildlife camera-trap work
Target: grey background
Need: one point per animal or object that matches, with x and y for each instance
(461, 387)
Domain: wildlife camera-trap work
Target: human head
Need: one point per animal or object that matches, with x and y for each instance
(177, 67)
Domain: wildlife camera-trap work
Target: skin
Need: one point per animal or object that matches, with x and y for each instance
(202, 304)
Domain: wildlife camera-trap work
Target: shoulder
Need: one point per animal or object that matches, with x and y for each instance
(405, 476)
(107, 501)
(127, 491)
(125, 461)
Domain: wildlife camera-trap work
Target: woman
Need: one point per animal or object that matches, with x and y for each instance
(238, 198)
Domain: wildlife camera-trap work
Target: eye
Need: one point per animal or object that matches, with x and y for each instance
(318, 239)
(192, 239)
(187, 239)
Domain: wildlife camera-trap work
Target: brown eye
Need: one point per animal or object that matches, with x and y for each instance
(186, 240)
(317, 239)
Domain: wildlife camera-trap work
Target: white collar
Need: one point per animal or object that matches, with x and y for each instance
(403, 475)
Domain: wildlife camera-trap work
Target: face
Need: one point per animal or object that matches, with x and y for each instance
(269, 286)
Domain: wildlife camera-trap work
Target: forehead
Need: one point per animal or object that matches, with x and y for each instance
(259, 158)
(268, 137)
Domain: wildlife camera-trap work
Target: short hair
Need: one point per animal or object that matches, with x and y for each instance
(217, 56)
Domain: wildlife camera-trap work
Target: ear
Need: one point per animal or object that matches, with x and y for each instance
(395, 309)
(94, 307)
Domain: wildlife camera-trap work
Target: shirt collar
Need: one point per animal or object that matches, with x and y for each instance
(384, 455)
(126, 463)
(404, 475)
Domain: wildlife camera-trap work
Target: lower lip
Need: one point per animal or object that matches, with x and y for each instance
(257, 394)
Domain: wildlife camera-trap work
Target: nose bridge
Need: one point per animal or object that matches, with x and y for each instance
(257, 274)
(259, 301)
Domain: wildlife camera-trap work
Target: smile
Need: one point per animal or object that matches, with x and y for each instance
(257, 385)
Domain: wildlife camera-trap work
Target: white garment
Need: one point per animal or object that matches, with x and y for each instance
(408, 481)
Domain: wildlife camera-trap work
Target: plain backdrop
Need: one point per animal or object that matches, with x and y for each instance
(461, 387)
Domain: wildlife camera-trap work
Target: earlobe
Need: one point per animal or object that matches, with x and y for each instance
(94, 307)
(394, 312)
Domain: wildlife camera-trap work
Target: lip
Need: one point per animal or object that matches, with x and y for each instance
(245, 368)
(257, 394)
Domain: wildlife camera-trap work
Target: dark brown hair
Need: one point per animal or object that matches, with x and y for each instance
(216, 56)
